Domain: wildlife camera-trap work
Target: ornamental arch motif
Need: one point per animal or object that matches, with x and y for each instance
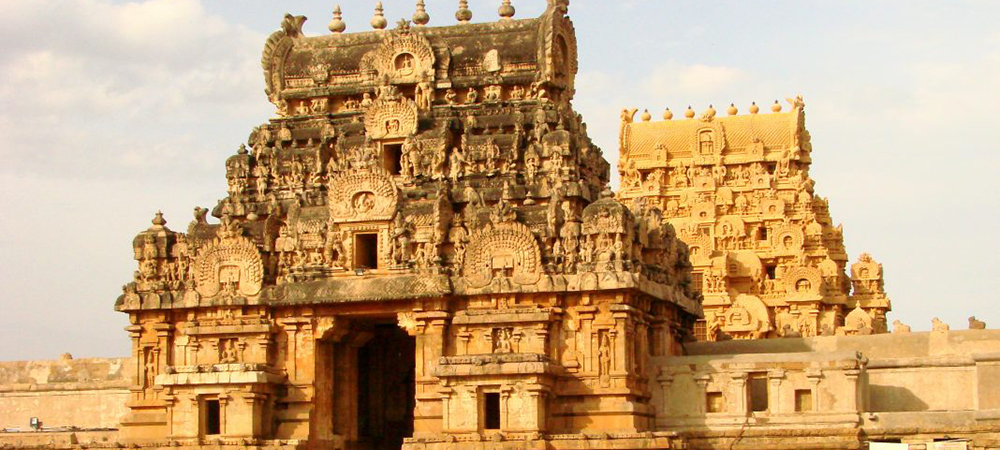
(363, 196)
(403, 57)
(231, 265)
(508, 249)
(387, 119)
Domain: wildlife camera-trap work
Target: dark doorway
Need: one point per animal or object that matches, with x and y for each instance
(491, 411)
(386, 388)
(366, 251)
(213, 418)
(392, 155)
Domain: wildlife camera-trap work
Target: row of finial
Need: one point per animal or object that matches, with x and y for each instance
(420, 17)
(710, 112)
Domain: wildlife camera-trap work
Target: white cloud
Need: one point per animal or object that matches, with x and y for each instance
(111, 111)
(673, 78)
(124, 83)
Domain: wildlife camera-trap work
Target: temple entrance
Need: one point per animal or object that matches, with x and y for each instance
(367, 390)
(385, 389)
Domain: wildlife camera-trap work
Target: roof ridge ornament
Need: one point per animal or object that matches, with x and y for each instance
(378, 20)
(464, 14)
(403, 26)
(337, 24)
(158, 221)
(506, 10)
(292, 25)
(420, 17)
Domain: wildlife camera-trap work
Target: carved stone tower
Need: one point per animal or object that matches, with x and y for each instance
(420, 250)
(767, 258)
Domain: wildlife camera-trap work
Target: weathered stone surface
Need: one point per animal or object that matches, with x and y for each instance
(420, 251)
(82, 393)
(421, 244)
(767, 258)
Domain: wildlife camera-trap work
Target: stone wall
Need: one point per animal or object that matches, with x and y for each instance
(82, 393)
(911, 386)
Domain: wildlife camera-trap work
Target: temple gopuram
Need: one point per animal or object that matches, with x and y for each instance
(420, 250)
(767, 257)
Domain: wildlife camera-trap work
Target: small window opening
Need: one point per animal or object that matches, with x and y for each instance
(762, 234)
(714, 402)
(696, 282)
(366, 251)
(803, 400)
(700, 331)
(491, 409)
(757, 387)
(391, 158)
(772, 271)
(213, 418)
(705, 142)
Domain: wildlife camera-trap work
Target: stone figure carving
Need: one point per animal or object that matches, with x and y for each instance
(400, 241)
(900, 327)
(502, 338)
(227, 351)
(938, 325)
(976, 324)
(149, 369)
(604, 355)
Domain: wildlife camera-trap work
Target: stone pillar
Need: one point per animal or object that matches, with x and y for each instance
(853, 401)
(774, 377)
(430, 331)
(702, 379)
(738, 392)
(327, 332)
(814, 376)
(590, 344)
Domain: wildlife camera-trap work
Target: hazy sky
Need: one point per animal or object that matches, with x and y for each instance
(111, 110)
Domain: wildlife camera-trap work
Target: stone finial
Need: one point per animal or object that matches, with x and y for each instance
(668, 114)
(242, 150)
(646, 116)
(976, 324)
(464, 14)
(754, 109)
(689, 113)
(709, 113)
(158, 220)
(337, 24)
(378, 20)
(506, 10)
(776, 107)
(421, 17)
(732, 109)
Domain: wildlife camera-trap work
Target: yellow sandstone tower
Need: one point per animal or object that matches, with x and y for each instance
(767, 257)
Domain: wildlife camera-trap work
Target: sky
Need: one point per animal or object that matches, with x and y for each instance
(112, 110)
